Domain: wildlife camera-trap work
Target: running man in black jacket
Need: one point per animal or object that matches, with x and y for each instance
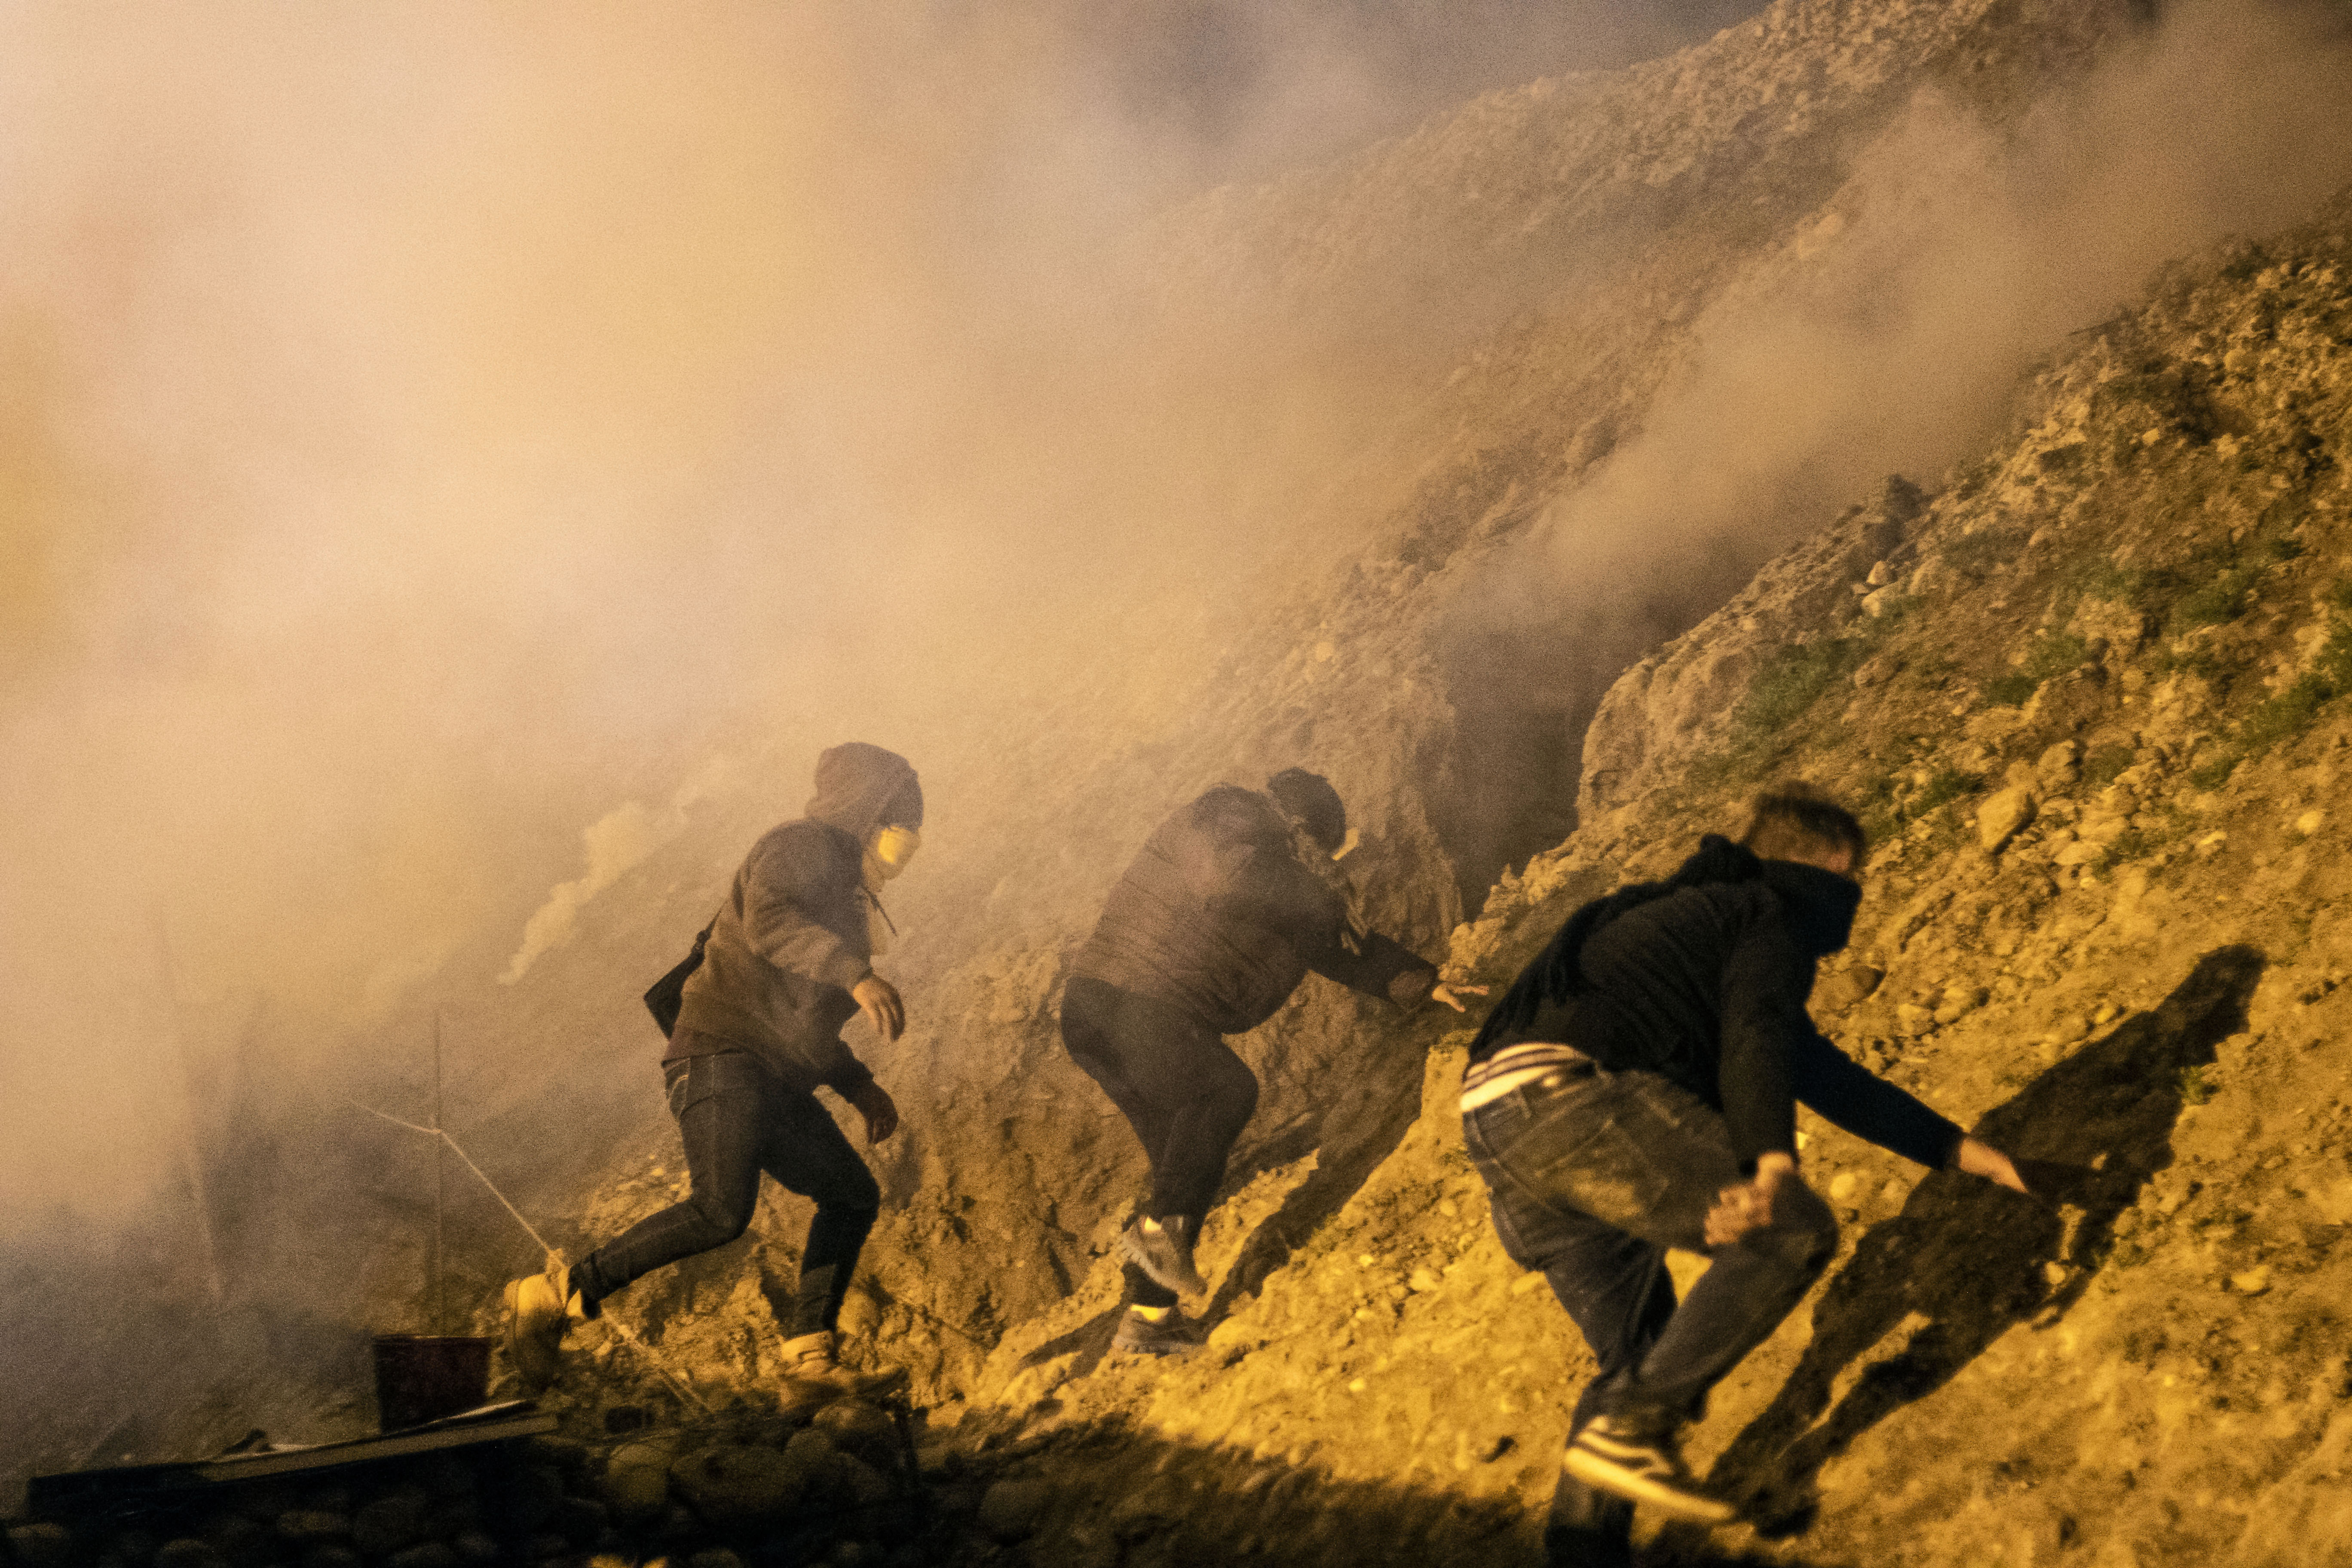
(786, 962)
(1634, 1090)
(1228, 906)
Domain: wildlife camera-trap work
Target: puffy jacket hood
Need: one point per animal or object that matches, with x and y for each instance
(860, 787)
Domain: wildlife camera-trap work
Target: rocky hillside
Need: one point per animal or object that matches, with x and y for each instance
(2084, 685)
(2090, 695)
(1454, 752)
(2091, 692)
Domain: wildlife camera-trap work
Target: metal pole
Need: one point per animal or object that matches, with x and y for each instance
(440, 1190)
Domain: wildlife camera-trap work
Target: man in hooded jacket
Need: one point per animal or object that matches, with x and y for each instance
(1634, 1090)
(786, 962)
(1228, 906)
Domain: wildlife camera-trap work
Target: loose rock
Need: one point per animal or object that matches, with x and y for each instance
(1009, 1510)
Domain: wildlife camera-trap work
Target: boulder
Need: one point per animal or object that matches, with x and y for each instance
(304, 1526)
(41, 1545)
(862, 1430)
(1848, 987)
(737, 1488)
(1009, 1510)
(635, 1484)
(2003, 812)
(389, 1523)
(526, 1499)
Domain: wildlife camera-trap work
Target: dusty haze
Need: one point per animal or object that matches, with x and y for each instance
(425, 433)
(443, 457)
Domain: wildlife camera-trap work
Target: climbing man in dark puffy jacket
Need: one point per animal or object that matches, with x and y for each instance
(1634, 1090)
(1228, 906)
(786, 962)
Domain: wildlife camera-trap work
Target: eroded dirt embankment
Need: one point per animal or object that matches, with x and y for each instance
(2094, 694)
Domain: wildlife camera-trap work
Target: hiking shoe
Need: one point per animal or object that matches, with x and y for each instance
(1645, 1465)
(1165, 1252)
(813, 1377)
(539, 1309)
(1173, 1334)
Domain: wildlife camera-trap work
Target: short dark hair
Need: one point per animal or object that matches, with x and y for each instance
(1787, 819)
(1310, 798)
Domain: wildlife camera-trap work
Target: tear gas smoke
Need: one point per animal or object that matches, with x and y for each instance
(1888, 336)
(431, 431)
(425, 430)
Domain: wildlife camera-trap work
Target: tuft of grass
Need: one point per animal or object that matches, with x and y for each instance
(2201, 662)
(2286, 715)
(2195, 1087)
(2101, 578)
(2222, 599)
(2051, 653)
(1943, 786)
(2215, 771)
(1978, 555)
(2129, 844)
(2104, 766)
(1791, 680)
(2290, 712)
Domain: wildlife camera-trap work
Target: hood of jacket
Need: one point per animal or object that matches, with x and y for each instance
(857, 786)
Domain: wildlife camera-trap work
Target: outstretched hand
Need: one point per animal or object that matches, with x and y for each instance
(878, 1000)
(1746, 1206)
(881, 1112)
(1984, 1160)
(1450, 995)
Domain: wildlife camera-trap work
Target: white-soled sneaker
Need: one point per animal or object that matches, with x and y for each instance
(1643, 1464)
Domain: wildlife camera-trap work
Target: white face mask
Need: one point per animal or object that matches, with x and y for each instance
(893, 848)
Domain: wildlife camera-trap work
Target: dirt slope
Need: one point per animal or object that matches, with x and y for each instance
(2092, 694)
(1003, 1191)
(1580, 229)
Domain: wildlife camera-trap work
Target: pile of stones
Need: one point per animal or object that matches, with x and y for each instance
(745, 1490)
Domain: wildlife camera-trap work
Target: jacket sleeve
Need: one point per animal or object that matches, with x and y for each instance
(1869, 1107)
(1764, 1021)
(839, 1069)
(792, 877)
(1385, 968)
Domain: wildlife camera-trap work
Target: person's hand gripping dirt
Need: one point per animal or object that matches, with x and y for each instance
(1451, 995)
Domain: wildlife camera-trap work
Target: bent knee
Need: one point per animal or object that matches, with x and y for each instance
(723, 1218)
(848, 1194)
(1236, 1086)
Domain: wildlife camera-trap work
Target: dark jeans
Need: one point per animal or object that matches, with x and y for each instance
(1594, 1175)
(1180, 1086)
(738, 1121)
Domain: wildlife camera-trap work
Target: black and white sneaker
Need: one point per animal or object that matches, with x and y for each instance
(1172, 1334)
(1164, 1252)
(1643, 1464)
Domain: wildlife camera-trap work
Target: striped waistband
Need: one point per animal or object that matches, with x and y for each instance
(1509, 1067)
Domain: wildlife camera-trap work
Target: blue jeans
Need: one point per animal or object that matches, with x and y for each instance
(1594, 1174)
(736, 1121)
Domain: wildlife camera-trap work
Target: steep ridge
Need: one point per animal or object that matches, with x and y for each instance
(2092, 694)
(1009, 1183)
(1581, 230)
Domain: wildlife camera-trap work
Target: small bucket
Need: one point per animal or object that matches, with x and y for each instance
(421, 1378)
